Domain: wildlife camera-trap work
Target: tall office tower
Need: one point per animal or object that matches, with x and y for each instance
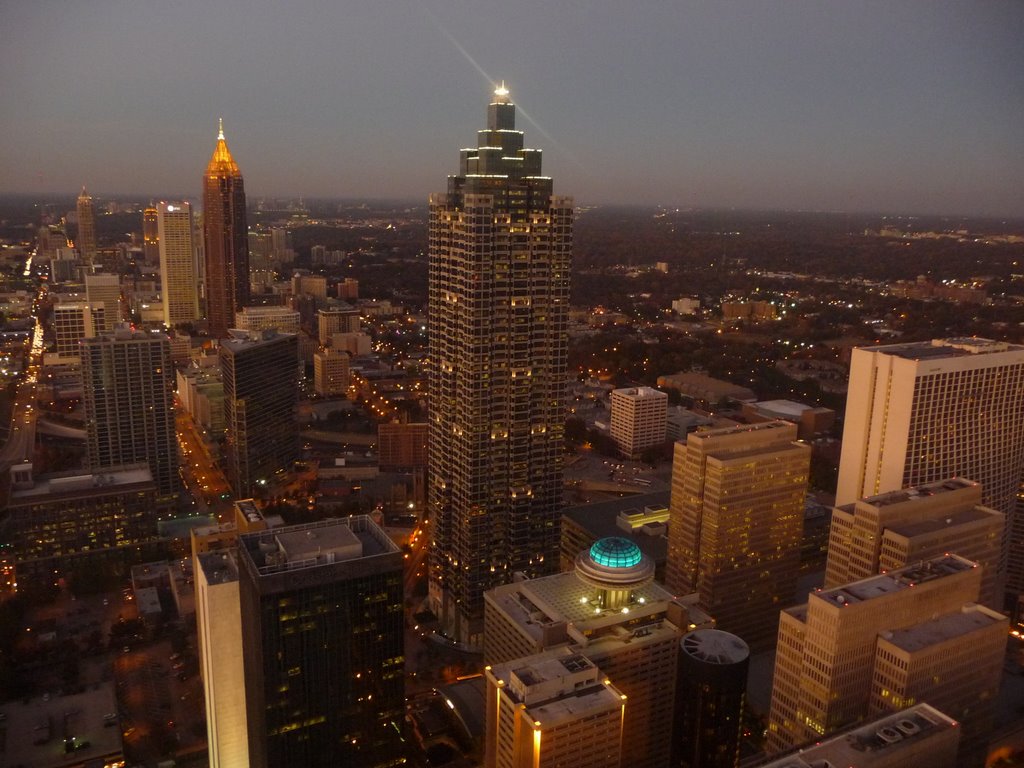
(735, 524)
(884, 643)
(219, 631)
(918, 413)
(639, 419)
(128, 389)
(103, 291)
(895, 529)
(552, 709)
(150, 236)
(86, 228)
(610, 610)
(500, 251)
(918, 735)
(711, 686)
(321, 608)
(178, 284)
(73, 322)
(225, 240)
(261, 378)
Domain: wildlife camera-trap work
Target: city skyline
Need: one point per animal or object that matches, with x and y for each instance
(867, 108)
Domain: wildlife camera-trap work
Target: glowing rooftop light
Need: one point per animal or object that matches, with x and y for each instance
(220, 129)
(501, 90)
(615, 552)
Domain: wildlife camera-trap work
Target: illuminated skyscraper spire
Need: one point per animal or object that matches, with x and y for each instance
(225, 238)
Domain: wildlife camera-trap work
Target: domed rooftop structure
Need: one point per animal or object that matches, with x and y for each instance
(615, 566)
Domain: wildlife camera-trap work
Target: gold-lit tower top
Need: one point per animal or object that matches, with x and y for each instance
(222, 163)
(501, 94)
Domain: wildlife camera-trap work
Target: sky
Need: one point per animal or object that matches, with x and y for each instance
(896, 106)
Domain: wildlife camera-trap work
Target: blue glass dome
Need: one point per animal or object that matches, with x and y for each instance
(615, 552)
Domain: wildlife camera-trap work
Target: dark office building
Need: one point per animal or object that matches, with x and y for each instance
(711, 685)
(322, 629)
(260, 373)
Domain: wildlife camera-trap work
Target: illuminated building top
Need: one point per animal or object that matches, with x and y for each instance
(222, 163)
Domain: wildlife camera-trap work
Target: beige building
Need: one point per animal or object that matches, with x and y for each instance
(402, 446)
(611, 611)
(885, 642)
(219, 629)
(917, 736)
(179, 284)
(736, 523)
(330, 372)
(282, 319)
(552, 710)
(922, 412)
(639, 416)
(892, 530)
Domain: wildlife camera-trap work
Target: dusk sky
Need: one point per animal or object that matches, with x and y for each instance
(913, 106)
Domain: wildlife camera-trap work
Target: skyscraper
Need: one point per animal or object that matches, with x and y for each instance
(150, 236)
(260, 374)
(884, 643)
(128, 386)
(86, 228)
(103, 292)
(225, 237)
(322, 644)
(178, 285)
(923, 412)
(500, 250)
(735, 523)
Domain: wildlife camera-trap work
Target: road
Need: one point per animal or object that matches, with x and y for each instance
(200, 473)
(21, 439)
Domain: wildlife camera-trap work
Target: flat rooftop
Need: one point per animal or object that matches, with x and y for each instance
(108, 481)
(918, 492)
(896, 581)
(890, 736)
(600, 520)
(947, 348)
(970, 619)
(315, 544)
(218, 567)
(949, 520)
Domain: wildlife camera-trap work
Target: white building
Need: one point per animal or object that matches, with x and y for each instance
(923, 412)
(282, 319)
(639, 418)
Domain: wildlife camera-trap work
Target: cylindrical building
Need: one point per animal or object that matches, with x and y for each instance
(711, 684)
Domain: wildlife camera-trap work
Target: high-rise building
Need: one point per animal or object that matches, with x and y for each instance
(72, 322)
(639, 419)
(500, 248)
(923, 412)
(179, 286)
(150, 236)
(260, 377)
(86, 228)
(322, 642)
(103, 292)
(402, 446)
(896, 529)
(736, 522)
(710, 689)
(552, 709)
(128, 390)
(885, 643)
(225, 239)
(610, 610)
(341, 318)
(219, 631)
